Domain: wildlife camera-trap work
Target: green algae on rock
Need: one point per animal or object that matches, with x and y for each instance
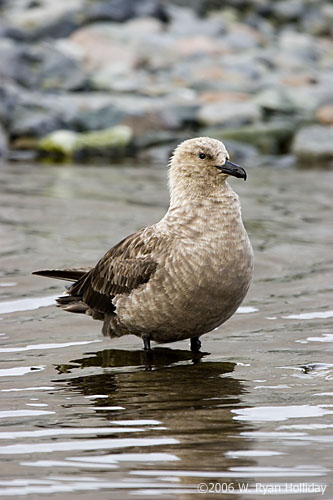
(66, 144)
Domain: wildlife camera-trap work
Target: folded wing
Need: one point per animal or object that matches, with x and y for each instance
(125, 267)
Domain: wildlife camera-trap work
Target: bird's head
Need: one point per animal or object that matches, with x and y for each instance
(201, 165)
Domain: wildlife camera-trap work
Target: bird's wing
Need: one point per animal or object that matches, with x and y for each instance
(122, 269)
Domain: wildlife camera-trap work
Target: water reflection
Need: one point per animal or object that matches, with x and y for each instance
(188, 397)
(158, 357)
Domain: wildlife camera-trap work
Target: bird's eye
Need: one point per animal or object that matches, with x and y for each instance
(202, 156)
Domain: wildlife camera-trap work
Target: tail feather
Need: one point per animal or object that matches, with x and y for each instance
(63, 274)
(72, 303)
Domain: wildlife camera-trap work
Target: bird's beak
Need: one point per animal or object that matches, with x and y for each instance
(232, 169)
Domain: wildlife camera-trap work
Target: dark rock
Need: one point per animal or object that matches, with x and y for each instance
(13, 33)
(179, 116)
(60, 28)
(20, 155)
(95, 119)
(33, 122)
(9, 97)
(57, 71)
(123, 10)
(203, 7)
(3, 144)
(14, 64)
(34, 114)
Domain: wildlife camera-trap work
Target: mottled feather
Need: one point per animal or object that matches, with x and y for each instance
(122, 269)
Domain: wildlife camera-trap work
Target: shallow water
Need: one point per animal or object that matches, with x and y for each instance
(83, 416)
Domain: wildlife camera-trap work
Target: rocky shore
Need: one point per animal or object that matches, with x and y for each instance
(82, 79)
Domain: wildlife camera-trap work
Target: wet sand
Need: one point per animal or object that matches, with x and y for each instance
(83, 416)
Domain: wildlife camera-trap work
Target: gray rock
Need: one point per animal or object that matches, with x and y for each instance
(154, 139)
(184, 22)
(318, 21)
(43, 19)
(95, 119)
(301, 45)
(9, 97)
(180, 116)
(231, 114)
(49, 19)
(56, 70)
(275, 100)
(288, 10)
(34, 114)
(241, 153)
(241, 40)
(241, 72)
(14, 62)
(33, 122)
(314, 144)
(308, 98)
(272, 137)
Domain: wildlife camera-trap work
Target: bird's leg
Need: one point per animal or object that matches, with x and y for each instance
(146, 342)
(195, 344)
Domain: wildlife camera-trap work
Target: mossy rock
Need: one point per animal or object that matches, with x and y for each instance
(69, 145)
(60, 143)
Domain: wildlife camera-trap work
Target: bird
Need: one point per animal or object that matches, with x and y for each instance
(183, 276)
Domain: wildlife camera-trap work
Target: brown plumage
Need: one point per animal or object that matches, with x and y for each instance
(182, 276)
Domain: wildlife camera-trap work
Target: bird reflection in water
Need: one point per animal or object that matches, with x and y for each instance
(187, 395)
(164, 379)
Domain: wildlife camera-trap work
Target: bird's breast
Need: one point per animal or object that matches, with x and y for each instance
(201, 279)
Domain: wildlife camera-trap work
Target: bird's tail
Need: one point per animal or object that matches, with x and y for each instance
(70, 303)
(62, 274)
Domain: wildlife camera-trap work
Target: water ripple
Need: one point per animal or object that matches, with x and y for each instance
(90, 444)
